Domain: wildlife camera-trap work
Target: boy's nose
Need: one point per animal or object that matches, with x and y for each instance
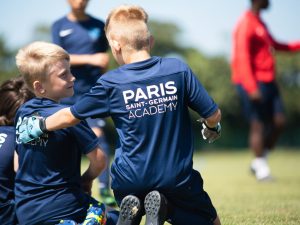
(72, 78)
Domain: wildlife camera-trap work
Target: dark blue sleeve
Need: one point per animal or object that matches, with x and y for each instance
(55, 34)
(86, 140)
(94, 104)
(197, 97)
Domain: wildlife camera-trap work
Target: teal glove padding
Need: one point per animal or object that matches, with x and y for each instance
(210, 133)
(31, 128)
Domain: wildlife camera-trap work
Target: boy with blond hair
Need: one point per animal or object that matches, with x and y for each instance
(148, 99)
(49, 186)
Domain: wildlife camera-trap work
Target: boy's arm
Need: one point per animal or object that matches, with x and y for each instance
(61, 119)
(33, 127)
(93, 104)
(97, 164)
(16, 161)
(214, 119)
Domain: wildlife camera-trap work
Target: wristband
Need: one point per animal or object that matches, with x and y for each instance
(42, 123)
(216, 129)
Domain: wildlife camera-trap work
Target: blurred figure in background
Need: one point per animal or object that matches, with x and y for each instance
(253, 73)
(13, 93)
(83, 37)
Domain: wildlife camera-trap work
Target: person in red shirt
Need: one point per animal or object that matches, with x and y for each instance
(253, 73)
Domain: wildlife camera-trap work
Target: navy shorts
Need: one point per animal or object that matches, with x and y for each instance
(8, 214)
(189, 204)
(265, 110)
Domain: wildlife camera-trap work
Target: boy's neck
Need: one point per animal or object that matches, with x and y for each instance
(137, 57)
(44, 96)
(77, 16)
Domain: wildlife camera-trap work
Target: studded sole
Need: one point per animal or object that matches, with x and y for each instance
(156, 208)
(130, 211)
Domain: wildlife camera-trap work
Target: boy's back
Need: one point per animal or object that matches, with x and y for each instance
(148, 102)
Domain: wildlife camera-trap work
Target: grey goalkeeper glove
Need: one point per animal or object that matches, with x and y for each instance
(210, 133)
(31, 128)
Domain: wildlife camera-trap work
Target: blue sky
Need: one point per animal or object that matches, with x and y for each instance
(206, 25)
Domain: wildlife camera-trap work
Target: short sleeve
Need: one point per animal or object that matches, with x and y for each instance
(94, 104)
(55, 34)
(197, 97)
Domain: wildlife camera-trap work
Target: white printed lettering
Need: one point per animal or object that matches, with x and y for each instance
(150, 92)
(171, 89)
(140, 94)
(3, 136)
(129, 94)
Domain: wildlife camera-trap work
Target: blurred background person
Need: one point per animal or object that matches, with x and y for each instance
(83, 37)
(253, 73)
(13, 93)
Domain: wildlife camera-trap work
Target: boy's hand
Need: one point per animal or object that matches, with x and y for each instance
(210, 133)
(31, 128)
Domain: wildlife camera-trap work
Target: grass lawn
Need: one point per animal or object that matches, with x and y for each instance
(239, 198)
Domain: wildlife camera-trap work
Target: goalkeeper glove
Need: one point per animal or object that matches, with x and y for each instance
(210, 133)
(31, 128)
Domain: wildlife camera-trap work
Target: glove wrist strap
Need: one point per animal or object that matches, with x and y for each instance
(216, 128)
(43, 125)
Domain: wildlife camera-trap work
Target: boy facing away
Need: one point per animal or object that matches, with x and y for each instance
(148, 99)
(49, 186)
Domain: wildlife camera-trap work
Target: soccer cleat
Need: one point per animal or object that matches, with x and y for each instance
(156, 208)
(130, 211)
(95, 215)
(107, 198)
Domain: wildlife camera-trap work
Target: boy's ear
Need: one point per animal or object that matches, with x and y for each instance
(115, 45)
(152, 41)
(38, 87)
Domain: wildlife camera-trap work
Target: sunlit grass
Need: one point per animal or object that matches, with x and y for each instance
(239, 198)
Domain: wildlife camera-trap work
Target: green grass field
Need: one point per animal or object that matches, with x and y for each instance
(239, 198)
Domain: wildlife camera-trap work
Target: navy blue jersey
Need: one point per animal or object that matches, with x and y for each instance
(148, 102)
(86, 37)
(7, 174)
(47, 186)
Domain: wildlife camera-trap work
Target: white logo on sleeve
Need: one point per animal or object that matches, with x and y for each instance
(2, 138)
(64, 33)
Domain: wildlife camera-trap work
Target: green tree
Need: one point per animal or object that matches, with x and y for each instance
(165, 36)
(41, 33)
(288, 76)
(7, 61)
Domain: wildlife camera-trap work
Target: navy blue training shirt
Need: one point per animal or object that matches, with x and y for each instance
(7, 175)
(81, 37)
(148, 102)
(47, 187)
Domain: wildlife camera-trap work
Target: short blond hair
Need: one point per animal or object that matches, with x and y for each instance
(35, 60)
(128, 24)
